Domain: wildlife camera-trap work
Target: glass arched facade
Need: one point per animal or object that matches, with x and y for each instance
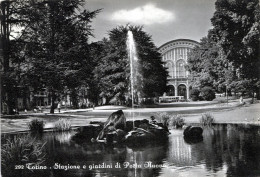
(175, 55)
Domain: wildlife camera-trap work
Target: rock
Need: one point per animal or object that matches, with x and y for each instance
(97, 122)
(146, 134)
(163, 126)
(86, 133)
(144, 124)
(178, 126)
(115, 121)
(116, 129)
(117, 136)
(191, 131)
(120, 135)
(110, 137)
(193, 140)
(139, 137)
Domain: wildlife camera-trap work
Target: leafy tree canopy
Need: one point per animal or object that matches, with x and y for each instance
(52, 49)
(113, 69)
(236, 25)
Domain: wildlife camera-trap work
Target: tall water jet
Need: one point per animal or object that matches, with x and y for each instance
(132, 55)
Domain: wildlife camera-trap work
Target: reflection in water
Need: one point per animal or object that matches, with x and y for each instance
(226, 150)
(99, 157)
(64, 137)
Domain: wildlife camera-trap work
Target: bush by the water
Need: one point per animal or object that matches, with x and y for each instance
(178, 121)
(170, 120)
(206, 119)
(19, 151)
(164, 118)
(62, 125)
(195, 94)
(207, 93)
(36, 126)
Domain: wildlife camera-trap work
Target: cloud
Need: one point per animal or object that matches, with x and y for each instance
(148, 14)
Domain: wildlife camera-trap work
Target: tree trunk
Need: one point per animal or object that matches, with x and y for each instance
(7, 90)
(53, 99)
(258, 94)
(11, 99)
(74, 99)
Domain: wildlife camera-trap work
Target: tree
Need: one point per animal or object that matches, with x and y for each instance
(208, 67)
(207, 93)
(55, 51)
(11, 17)
(236, 25)
(195, 94)
(94, 88)
(113, 70)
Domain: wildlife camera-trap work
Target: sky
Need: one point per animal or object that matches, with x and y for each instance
(164, 20)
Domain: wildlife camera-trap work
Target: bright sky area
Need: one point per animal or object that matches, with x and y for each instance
(165, 20)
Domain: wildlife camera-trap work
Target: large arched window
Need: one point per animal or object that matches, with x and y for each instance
(170, 90)
(181, 72)
(169, 67)
(182, 91)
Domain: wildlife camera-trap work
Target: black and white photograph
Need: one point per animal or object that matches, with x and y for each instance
(130, 88)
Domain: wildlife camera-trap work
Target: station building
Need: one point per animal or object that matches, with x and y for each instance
(175, 54)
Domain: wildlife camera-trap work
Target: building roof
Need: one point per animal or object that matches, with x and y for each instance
(177, 40)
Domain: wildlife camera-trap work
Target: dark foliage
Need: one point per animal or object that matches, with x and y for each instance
(113, 69)
(207, 93)
(195, 94)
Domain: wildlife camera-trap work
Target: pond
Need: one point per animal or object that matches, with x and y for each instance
(226, 150)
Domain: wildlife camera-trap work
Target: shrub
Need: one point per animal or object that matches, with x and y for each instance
(164, 118)
(178, 121)
(36, 126)
(207, 119)
(19, 151)
(207, 93)
(195, 94)
(62, 125)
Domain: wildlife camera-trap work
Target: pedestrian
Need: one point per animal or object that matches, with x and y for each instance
(40, 109)
(59, 106)
(241, 100)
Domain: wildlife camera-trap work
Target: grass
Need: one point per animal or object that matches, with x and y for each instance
(62, 125)
(207, 119)
(222, 100)
(36, 126)
(19, 151)
(177, 121)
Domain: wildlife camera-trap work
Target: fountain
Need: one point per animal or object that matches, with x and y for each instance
(132, 55)
(131, 49)
(133, 133)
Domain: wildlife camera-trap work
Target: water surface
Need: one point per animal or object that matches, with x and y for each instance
(226, 150)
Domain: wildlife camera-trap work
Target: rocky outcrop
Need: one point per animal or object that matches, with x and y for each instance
(193, 140)
(144, 133)
(194, 132)
(86, 133)
(117, 130)
(115, 121)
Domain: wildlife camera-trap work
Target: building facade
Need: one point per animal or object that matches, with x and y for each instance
(175, 54)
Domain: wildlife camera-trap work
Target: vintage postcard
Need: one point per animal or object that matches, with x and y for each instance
(130, 88)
